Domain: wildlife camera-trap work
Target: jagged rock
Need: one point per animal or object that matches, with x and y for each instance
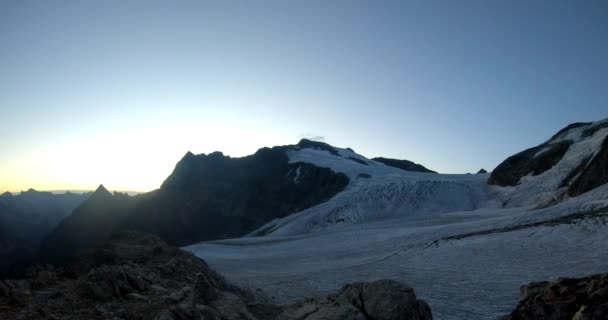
(136, 276)
(379, 300)
(108, 282)
(564, 299)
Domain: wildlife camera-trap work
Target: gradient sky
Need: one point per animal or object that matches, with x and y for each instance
(115, 92)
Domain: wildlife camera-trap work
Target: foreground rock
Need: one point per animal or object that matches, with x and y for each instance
(567, 299)
(137, 276)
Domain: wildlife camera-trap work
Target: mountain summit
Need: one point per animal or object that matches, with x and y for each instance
(102, 190)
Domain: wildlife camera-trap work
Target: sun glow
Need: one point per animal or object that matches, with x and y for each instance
(135, 159)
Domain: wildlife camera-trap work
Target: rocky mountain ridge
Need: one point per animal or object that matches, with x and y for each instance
(206, 197)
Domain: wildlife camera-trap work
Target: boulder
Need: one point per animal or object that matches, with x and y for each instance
(379, 300)
(564, 299)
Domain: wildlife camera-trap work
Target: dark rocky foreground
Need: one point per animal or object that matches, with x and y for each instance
(564, 299)
(136, 276)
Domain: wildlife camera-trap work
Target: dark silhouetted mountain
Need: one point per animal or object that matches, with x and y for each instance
(88, 224)
(403, 164)
(206, 197)
(25, 219)
(482, 171)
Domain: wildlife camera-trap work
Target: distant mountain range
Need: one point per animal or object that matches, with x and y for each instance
(215, 196)
(26, 218)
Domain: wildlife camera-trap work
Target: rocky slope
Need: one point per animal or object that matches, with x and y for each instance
(564, 299)
(570, 163)
(137, 276)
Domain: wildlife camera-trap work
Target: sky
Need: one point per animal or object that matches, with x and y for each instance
(116, 92)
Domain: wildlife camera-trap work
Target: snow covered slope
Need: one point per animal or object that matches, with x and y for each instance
(552, 186)
(377, 191)
(465, 246)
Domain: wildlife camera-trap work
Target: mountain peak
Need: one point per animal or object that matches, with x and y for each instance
(305, 143)
(6, 195)
(102, 190)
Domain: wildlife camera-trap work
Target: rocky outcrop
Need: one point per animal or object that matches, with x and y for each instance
(403, 164)
(136, 276)
(532, 161)
(564, 299)
(482, 171)
(584, 170)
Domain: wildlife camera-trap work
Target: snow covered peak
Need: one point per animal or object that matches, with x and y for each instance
(345, 160)
(376, 191)
(551, 172)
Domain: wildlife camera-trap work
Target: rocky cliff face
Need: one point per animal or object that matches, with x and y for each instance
(136, 276)
(564, 299)
(206, 197)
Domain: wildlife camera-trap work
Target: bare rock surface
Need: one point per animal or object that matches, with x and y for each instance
(565, 298)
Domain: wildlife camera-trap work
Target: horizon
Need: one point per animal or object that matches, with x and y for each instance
(116, 93)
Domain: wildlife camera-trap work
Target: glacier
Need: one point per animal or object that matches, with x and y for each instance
(465, 246)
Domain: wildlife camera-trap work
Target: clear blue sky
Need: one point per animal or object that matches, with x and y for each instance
(115, 92)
